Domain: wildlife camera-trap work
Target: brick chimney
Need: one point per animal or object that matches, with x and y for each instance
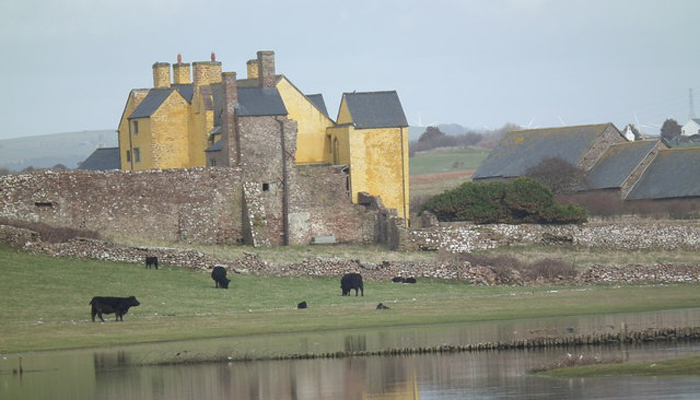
(161, 75)
(252, 69)
(266, 68)
(181, 72)
(228, 117)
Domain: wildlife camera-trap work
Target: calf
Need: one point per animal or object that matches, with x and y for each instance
(218, 274)
(112, 305)
(351, 281)
(152, 261)
(381, 306)
(302, 305)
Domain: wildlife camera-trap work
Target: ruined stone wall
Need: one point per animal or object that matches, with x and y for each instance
(200, 205)
(464, 238)
(320, 206)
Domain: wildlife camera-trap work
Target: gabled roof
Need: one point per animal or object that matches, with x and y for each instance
(618, 162)
(185, 90)
(520, 150)
(102, 159)
(375, 110)
(317, 100)
(260, 101)
(673, 173)
(151, 103)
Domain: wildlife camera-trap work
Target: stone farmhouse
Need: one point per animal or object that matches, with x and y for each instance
(206, 157)
(216, 119)
(631, 171)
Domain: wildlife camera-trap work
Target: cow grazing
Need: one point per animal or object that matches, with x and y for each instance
(381, 306)
(112, 305)
(151, 261)
(351, 281)
(397, 279)
(218, 274)
(302, 305)
(409, 280)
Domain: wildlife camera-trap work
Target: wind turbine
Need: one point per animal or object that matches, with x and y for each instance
(419, 122)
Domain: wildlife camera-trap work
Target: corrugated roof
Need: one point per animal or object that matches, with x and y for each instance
(102, 159)
(318, 101)
(618, 162)
(375, 110)
(520, 150)
(673, 173)
(151, 102)
(260, 101)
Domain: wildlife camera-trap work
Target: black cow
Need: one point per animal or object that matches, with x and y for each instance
(151, 261)
(381, 306)
(351, 281)
(218, 274)
(302, 305)
(112, 305)
(409, 280)
(397, 279)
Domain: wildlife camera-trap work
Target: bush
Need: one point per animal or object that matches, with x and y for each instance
(521, 201)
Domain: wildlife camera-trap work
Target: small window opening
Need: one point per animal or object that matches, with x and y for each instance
(266, 187)
(136, 127)
(137, 155)
(43, 204)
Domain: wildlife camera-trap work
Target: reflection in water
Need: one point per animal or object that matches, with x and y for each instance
(116, 374)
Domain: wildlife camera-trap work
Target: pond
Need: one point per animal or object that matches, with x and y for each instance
(126, 372)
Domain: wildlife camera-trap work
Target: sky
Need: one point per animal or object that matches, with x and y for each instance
(69, 65)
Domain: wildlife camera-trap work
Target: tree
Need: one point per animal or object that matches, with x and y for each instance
(670, 130)
(558, 175)
(430, 134)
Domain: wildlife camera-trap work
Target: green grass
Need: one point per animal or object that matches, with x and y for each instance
(688, 366)
(446, 160)
(45, 303)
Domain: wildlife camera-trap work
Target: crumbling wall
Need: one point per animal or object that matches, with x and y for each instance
(201, 205)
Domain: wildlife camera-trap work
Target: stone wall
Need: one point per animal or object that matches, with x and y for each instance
(196, 205)
(465, 238)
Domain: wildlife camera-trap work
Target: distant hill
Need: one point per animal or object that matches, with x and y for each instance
(414, 132)
(45, 151)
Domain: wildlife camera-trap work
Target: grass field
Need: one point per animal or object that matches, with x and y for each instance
(45, 303)
(446, 160)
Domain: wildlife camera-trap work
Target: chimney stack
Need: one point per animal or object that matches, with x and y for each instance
(181, 72)
(206, 72)
(252, 69)
(266, 68)
(161, 75)
(228, 117)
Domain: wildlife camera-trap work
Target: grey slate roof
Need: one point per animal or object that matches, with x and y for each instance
(520, 150)
(102, 159)
(318, 101)
(156, 97)
(618, 162)
(215, 147)
(260, 101)
(375, 110)
(673, 173)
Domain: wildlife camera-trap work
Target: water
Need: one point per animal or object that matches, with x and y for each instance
(120, 373)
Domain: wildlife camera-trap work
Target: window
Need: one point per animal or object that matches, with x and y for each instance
(266, 187)
(137, 155)
(128, 156)
(212, 162)
(136, 127)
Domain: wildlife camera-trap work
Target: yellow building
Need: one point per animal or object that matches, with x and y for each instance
(179, 124)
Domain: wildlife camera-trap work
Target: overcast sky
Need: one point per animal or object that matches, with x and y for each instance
(69, 65)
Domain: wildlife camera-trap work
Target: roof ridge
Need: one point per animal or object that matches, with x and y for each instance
(561, 127)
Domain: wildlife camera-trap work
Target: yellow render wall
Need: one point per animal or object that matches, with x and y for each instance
(135, 98)
(344, 116)
(201, 122)
(311, 124)
(143, 142)
(169, 146)
(379, 166)
(341, 134)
